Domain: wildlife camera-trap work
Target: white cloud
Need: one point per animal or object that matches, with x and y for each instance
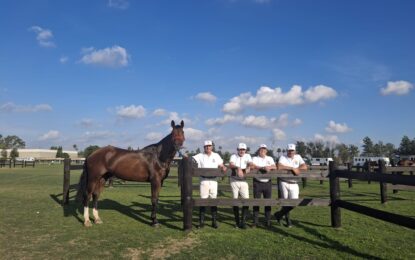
(256, 122)
(154, 136)
(159, 112)
(63, 59)
(206, 96)
(278, 134)
(193, 134)
(397, 88)
(118, 4)
(223, 120)
(332, 139)
(334, 127)
(11, 107)
(297, 122)
(51, 135)
(131, 111)
(267, 97)
(318, 93)
(115, 56)
(44, 36)
(86, 122)
(175, 116)
(251, 141)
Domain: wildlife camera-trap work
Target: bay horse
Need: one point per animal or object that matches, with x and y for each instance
(150, 164)
(406, 162)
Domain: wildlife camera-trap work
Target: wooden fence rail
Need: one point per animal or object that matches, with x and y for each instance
(383, 178)
(187, 170)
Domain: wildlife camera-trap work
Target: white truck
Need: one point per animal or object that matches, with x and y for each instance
(361, 160)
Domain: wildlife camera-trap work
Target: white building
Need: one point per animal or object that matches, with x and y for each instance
(42, 154)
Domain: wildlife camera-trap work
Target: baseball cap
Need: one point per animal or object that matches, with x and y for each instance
(208, 142)
(291, 147)
(242, 146)
(262, 146)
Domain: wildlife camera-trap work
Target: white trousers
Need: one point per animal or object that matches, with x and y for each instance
(240, 188)
(289, 190)
(208, 188)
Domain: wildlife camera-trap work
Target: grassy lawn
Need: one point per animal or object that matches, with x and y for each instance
(33, 224)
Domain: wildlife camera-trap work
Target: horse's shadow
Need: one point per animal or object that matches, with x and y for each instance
(168, 209)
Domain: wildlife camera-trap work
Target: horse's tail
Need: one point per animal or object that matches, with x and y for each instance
(83, 184)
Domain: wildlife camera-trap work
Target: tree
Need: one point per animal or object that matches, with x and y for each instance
(90, 149)
(11, 141)
(59, 153)
(75, 147)
(343, 153)
(226, 157)
(301, 148)
(3, 153)
(368, 149)
(54, 148)
(65, 155)
(353, 151)
(407, 147)
(14, 153)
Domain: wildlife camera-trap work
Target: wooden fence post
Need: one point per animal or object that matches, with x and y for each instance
(334, 196)
(66, 180)
(279, 188)
(304, 180)
(383, 185)
(187, 190)
(369, 170)
(349, 181)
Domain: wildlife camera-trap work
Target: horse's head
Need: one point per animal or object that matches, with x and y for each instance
(177, 134)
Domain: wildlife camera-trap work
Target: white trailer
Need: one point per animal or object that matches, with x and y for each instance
(320, 161)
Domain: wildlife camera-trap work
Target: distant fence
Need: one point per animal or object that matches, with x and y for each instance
(14, 163)
(187, 170)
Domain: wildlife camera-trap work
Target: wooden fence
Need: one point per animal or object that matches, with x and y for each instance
(383, 177)
(67, 167)
(187, 170)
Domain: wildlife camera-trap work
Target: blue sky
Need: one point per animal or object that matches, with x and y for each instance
(256, 71)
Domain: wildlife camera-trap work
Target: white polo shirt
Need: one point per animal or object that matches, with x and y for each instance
(208, 161)
(262, 162)
(294, 162)
(241, 162)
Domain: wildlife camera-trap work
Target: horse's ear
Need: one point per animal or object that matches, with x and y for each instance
(182, 124)
(172, 123)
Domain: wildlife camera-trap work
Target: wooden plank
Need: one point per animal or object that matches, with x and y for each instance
(378, 214)
(401, 169)
(273, 174)
(76, 167)
(388, 178)
(401, 187)
(261, 202)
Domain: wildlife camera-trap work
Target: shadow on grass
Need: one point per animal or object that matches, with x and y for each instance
(136, 210)
(321, 240)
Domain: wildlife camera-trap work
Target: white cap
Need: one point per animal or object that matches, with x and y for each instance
(262, 146)
(291, 147)
(242, 146)
(208, 142)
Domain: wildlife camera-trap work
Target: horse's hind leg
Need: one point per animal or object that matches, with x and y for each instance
(155, 190)
(87, 221)
(95, 196)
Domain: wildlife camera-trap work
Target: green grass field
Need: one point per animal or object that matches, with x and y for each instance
(33, 225)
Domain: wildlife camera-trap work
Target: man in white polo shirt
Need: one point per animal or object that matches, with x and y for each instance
(289, 187)
(240, 163)
(208, 185)
(263, 186)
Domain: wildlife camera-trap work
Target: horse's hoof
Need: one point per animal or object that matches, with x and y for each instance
(87, 224)
(98, 221)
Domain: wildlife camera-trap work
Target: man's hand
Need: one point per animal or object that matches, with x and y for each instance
(296, 171)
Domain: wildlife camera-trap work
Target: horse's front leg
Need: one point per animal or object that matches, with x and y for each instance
(155, 190)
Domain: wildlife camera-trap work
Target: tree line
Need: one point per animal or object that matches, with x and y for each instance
(341, 153)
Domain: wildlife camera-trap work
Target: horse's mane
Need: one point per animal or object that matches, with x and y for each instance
(161, 149)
